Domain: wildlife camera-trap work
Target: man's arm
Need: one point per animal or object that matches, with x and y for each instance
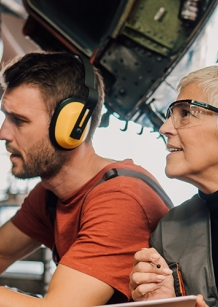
(69, 285)
(68, 288)
(14, 245)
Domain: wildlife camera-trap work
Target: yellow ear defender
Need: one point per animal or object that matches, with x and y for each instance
(71, 120)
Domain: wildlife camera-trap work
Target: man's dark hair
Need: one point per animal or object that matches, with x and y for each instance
(58, 75)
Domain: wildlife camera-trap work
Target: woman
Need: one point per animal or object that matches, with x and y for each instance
(185, 242)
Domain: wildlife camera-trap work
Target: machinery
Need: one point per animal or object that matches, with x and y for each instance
(142, 47)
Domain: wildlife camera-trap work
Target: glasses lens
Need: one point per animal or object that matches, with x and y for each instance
(184, 113)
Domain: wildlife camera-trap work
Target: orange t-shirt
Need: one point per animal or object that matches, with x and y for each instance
(100, 236)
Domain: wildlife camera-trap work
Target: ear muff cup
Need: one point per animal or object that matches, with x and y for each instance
(63, 122)
(70, 123)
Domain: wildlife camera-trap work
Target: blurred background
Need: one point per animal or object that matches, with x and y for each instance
(142, 48)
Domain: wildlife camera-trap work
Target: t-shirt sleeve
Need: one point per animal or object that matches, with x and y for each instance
(33, 219)
(117, 220)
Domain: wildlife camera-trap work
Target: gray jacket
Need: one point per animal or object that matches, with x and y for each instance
(183, 238)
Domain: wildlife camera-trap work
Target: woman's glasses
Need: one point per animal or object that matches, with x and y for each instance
(184, 112)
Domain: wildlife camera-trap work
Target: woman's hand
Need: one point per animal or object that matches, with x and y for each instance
(200, 301)
(151, 277)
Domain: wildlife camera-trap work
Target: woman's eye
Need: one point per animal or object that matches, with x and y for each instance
(185, 112)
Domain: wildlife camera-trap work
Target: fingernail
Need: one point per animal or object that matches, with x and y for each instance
(167, 271)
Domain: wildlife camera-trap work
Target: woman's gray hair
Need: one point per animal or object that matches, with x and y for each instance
(207, 79)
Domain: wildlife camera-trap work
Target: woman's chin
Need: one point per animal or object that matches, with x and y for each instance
(170, 173)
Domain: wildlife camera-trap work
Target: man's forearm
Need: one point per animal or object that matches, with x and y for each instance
(10, 298)
(4, 263)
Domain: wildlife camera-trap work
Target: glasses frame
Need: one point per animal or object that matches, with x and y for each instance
(193, 102)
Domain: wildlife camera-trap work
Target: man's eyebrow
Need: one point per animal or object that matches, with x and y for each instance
(15, 115)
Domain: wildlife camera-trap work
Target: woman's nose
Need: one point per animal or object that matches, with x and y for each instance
(167, 127)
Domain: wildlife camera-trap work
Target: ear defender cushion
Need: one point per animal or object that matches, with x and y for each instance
(63, 122)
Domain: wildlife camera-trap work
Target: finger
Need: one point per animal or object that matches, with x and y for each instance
(144, 254)
(146, 267)
(151, 267)
(200, 301)
(141, 292)
(137, 279)
(149, 255)
(158, 261)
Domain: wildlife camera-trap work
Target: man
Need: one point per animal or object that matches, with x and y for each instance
(185, 242)
(52, 104)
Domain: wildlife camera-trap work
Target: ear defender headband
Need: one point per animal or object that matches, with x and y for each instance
(70, 122)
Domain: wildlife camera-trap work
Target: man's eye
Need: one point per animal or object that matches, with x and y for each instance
(18, 121)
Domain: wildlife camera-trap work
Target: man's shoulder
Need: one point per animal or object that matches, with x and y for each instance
(129, 164)
(126, 175)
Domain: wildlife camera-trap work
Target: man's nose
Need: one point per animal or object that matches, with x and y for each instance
(5, 133)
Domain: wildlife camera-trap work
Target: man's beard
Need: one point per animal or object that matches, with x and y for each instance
(42, 160)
